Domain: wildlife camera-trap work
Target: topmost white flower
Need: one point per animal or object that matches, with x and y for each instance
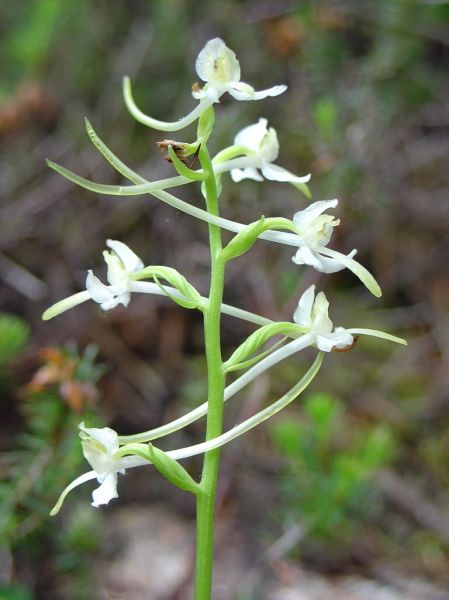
(218, 66)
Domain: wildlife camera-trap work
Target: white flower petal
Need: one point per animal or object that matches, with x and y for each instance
(305, 256)
(246, 173)
(109, 304)
(123, 298)
(342, 337)
(131, 262)
(269, 148)
(216, 62)
(273, 91)
(276, 173)
(243, 91)
(107, 490)
(322, 324)
(117, 276)
(303, 312)
(323, 343)
(98, 291)
(252, 136)
(304, 217)
(106, 436)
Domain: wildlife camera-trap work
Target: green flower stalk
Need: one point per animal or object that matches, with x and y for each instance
(250, 156)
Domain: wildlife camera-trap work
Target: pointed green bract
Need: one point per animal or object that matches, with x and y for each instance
(179, 301)
(246, 364)
(247, 237)
(259, 338)
(183, 169)
(175, 278)
(172, 470)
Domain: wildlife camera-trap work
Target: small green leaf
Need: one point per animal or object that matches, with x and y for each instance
(172, 470)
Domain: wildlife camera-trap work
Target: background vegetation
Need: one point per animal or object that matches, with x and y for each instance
(367, 113)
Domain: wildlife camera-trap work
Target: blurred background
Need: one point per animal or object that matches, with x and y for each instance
(344, 495)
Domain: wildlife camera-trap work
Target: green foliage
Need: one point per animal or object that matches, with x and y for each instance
(325, 116)
(15, 592)
(31, 42)
(14, 334)
(76, 546)
(330, 464)
(43, 456)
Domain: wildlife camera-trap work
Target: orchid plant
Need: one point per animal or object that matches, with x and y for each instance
(309, 232)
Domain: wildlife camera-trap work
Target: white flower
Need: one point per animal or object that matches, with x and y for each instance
(315, 231)
(263, 143)
(121, 263)
(312, 314)
(99, 447)
(218, 66)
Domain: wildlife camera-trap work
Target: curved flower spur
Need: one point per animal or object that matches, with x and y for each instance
(251, 156)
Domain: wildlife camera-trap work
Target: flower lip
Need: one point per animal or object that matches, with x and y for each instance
(312, 313)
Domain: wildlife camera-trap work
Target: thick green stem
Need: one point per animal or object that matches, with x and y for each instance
(212, 322)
